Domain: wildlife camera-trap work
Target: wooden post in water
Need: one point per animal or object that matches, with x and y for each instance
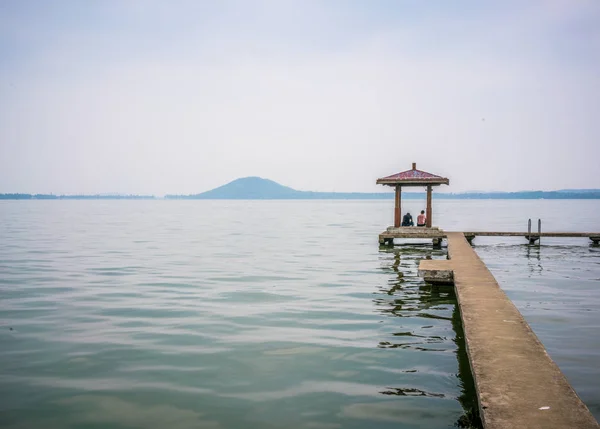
(532, 239)
(397, 207)
(429, 222)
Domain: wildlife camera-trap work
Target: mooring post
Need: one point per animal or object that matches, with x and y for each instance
(539, 231)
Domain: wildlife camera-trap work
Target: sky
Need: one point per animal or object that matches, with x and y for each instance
(162, 97)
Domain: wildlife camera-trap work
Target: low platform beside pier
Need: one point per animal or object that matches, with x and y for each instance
(437, 271)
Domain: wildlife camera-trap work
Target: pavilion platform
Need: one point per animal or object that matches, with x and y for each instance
(518, 385)
(433, 233)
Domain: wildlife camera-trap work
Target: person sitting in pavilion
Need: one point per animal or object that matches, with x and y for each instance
(407, 220)
(422, 219)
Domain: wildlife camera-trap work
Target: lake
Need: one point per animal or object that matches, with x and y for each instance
(238, 314)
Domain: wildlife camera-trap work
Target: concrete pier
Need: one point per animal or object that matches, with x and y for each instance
(436, 234)
(518, 385)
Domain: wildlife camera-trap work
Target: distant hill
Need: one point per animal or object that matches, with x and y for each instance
(256, 188)
(252, 188)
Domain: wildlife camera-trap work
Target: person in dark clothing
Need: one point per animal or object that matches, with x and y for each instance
(407, 220)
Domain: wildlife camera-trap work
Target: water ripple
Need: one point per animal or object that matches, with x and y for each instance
(185, 314)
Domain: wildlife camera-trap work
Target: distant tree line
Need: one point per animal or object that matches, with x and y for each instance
(73, 197)
(525, 195)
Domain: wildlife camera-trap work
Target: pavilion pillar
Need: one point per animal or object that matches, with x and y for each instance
(397, 208)
(428, 223)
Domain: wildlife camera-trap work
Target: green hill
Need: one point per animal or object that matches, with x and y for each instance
(252, 188)
(256, 188)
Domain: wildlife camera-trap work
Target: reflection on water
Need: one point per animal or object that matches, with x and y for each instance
(534, 260)
(407, 296)
(161, 314)
(468, 396)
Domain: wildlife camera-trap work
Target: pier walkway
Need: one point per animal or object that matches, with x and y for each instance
(518, 385)
(437, 234)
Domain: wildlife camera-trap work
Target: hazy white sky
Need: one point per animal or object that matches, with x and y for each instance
(182, 96)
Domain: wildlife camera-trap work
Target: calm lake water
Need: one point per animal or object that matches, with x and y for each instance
(270, 314)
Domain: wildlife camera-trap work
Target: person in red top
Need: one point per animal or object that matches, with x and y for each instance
(421, 219)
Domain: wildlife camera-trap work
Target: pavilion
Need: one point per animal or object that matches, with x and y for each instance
(412, 177)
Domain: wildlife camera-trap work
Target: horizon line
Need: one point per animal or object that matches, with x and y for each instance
(386, 193)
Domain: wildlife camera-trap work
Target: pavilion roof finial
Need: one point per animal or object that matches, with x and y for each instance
(414, 166)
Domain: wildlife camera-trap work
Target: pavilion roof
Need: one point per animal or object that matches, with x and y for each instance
(413, 177)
